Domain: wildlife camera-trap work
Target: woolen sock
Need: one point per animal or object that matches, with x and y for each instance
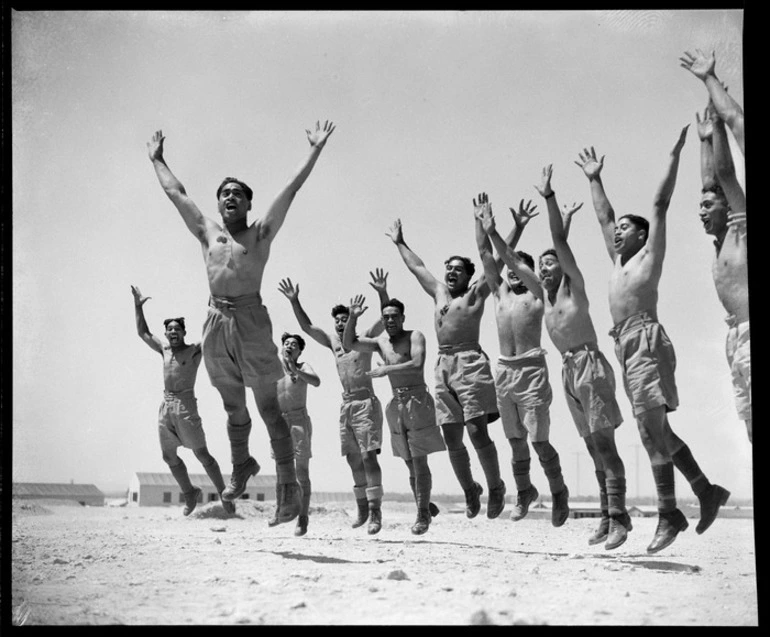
(521, 474)
(179, 471)
(552, 470)
(461, 465)
(239, 442)
(684, 461)
(664, 484)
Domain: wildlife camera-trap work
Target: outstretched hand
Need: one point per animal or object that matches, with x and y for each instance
(395, 232)
(288, 289)
(482, 211)
(705, 126)
(680, 142)
(138, 298)
(319, 136)
(544, 188)
(155, 146)
(568, 210)
(525, 213)
(379, 280)
(591, 166)
(357, 307)
(700, 65)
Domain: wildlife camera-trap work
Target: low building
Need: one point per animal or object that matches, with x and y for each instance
(83, 494)
(161, 489)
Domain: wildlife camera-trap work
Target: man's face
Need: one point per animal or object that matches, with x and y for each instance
(175, 334)
(514, 282)
(339, 322)
(550, 272)
(291, 348)
(392, 320)
(628, 237)
(713, 213)
(455, 277)
(233, 203)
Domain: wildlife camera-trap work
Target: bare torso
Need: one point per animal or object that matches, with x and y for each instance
(292, 394)
(234, 263)
(519, 320)
(351, 366)
(634, 286)
(399, 350)
(180, 367)
(567, 319)
(730, 271)
(457, 319)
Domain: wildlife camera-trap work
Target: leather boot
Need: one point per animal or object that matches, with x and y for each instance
(560, 507)
(473, 500)
(601, 534)
(669, 526)
(239, 477)
(301, 527)
(190, 501)
(496, 501)
(523, 500)
(363, 512)
(710, 502)
(620, 525)
(375, 520)
(422, 523)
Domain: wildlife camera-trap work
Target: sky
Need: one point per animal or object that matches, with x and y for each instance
(431, 109)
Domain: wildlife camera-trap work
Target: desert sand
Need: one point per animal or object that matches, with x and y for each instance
(150, 566)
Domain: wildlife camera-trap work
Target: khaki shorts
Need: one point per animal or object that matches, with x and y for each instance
(465, 388)
(301, 433)
(412, 422)
(237, 344)
(524, 395)
(179, 424)
(360, 423)
(738, 350)
(589, 386)
(648, 361)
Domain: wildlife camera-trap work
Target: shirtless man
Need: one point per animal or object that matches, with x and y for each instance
(360, 412)
(411, 413)
(465, 388)
(238, 346)
(523, 390)
(587, 377)
(727, 109)
(722, 212)
(636, 247)
(292, 398)
(179, 424)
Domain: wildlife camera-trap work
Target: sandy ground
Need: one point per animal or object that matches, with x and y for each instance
(132, 566)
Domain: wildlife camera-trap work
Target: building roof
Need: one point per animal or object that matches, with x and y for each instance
(200, 480)
(53, 489)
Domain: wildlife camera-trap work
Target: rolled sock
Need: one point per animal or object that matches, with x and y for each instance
(616, 496)
(664, 484)
(601, 478)
(461, 465)
(283, 451)
(239, 442)
(179, 471)
(489, 463)
(684, 461)
(552, 470)
(521, 474)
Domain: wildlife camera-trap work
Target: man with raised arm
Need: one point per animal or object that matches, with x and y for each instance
(722, 212)
(465, 388)
(237, 343)
(292, 398)
(587, 377)
(637, 247)
(521, 379)
(360, 412)
(411, 415)
(729, 111)
(179, 424)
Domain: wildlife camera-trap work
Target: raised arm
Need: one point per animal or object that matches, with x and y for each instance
(291, 292)
(273, 219)
(351, 340)
(592, 169)
(490, 264)
(416, 358)
(567, 212)
(380, 283)
(704, 68)
(191, 215)
(415, 264)
(558, 232)
(656, 242)
(724, 167)
(508, 254)
(141, 324)
(705, 128)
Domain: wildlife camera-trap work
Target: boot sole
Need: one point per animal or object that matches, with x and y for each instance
(725, 494)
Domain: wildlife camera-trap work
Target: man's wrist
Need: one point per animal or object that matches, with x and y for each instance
(549, 195)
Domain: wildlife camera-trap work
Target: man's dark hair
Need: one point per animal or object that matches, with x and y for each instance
(340, 309)
(527, 258)
(717, 190)
(179, 320)
(297, 337)
(551, 251)
(232, 180)
(470, 269)
(639, 222)
(394, 303)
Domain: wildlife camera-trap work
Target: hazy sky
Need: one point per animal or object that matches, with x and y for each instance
(431, 108)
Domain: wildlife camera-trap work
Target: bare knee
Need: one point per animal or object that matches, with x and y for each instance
(203, 456)
(170, 457)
